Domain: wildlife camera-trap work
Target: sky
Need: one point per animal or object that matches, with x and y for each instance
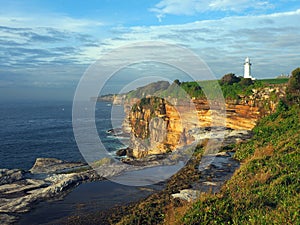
(46, 46)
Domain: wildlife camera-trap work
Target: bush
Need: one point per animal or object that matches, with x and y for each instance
(246, 82)
(230, 79)
(293, 88)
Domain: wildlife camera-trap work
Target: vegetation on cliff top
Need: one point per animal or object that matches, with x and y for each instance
(150, 89)
(233, 87)
(266, 188)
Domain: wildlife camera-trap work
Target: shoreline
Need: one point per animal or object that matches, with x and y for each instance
(92, 197)
(21, 191)
(183, 187)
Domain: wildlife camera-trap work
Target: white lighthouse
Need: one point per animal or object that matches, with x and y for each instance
(247, 69)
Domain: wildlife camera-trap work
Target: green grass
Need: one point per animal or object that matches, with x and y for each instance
(202, 89)
(275, 81)
(265, 190)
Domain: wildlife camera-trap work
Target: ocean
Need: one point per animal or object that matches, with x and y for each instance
(44, 129)
(31, 130)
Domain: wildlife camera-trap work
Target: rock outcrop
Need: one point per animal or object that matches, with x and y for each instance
(52, 165)
(48, 178)
(160, 125)
(10, 176)
(156, 127)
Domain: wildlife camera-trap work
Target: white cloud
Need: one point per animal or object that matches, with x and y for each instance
(56, 21)
(28, 43)
(270, 40)
(237, 6)
(191, 7)
(179, 7)
(35, 39)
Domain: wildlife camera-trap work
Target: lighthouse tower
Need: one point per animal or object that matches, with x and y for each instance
(247, 69)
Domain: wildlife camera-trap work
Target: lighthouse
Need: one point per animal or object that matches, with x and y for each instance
(247, 69)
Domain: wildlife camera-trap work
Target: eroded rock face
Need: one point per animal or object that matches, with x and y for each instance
(159, 125)
(156, 127)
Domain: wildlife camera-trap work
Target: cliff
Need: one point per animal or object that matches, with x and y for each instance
(115, 99)
(159, 125)
(156, 127)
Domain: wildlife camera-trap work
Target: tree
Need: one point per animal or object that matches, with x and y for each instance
(246, 82)
(293, 88)
(177, 82)
(230, 79)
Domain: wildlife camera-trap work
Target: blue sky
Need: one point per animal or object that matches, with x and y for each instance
(45, 46)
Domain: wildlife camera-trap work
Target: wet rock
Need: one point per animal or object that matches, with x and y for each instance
(20, 196)
(52, 165)
(111, 170)
(115, 131)
(9, 176)
(20, 190)
(7, 219)
(122, 152)
(21, 187)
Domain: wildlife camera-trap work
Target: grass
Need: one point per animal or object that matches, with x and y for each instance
(275, 81)
(266, 188)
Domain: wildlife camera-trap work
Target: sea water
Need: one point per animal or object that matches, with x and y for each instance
(31, 130)
(44, 129)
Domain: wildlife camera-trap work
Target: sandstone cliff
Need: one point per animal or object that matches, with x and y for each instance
(159, 125)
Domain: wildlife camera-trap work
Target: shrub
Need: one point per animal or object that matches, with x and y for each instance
(230, 79)
(293, 88)
(246, 82)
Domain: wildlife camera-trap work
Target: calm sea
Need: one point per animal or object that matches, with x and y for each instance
(44, 129)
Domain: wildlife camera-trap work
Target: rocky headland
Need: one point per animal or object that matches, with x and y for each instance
(161, 125)
(51, 178)
(158, 128)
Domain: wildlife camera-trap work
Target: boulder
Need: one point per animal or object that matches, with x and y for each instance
(122, 152)
(187, 195)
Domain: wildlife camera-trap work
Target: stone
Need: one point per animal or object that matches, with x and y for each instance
(9, 176)
(7, 219)
(223, 154)
(102, 162)
(189, 195)
(52, 165)
(209, 183)
(27, 184)
(20, 190)
(122, 152)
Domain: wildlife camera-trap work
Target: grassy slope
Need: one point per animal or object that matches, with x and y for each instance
(275, 80)
(192, 89)
(265, 190)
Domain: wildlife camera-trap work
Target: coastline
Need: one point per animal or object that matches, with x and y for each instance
(180, 189)
(50, 179)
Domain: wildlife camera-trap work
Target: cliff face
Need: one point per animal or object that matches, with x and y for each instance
(156, 126)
